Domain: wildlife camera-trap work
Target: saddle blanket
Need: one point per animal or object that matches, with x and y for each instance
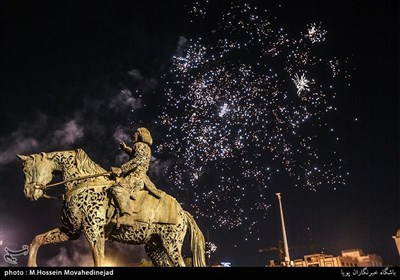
(147, 208)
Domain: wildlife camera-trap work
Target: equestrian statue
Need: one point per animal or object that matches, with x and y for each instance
(122, 205)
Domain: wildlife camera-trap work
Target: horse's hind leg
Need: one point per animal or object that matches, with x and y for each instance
(156, 253)
(174, 253)
(172, 237)
(57, 235)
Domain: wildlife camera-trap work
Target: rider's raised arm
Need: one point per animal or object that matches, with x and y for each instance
(123, 147)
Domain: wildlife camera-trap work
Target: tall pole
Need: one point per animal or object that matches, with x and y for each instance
(285, 243)
(209, 249)
(396, 239)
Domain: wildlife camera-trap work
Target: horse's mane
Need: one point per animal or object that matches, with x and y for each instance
(85, 164)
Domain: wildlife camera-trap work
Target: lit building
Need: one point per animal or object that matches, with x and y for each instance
(323, 260)
(362, 259)
(348, 258)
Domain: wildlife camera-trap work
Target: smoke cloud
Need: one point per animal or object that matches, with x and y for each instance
(158, 168)
(120, 135)
(69, 134)
(17, 145)
(89, 123)
(182, 41)
(124, 100)
(137, 76)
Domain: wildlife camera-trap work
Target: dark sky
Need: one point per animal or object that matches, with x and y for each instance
(80, 74)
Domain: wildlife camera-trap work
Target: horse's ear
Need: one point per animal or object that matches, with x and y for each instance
(21, 157)
(43, 154)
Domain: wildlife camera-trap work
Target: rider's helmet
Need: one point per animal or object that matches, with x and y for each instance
(144, 135)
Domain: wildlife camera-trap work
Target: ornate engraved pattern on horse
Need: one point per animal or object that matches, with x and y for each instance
(88, 208)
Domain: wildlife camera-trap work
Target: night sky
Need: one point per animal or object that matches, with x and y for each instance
(244, 99)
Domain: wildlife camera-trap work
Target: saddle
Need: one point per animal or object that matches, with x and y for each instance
(149, 209)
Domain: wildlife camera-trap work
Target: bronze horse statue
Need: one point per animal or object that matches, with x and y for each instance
(88, 207)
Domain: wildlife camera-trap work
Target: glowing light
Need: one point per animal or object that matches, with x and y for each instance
(110, 263)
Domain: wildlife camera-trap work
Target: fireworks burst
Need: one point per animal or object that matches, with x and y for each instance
(235, 121)
(315, 33)
(301, 83)
(210, 248)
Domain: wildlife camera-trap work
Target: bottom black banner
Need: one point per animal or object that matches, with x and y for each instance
(185, 272)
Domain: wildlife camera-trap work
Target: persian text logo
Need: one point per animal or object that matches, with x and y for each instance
(10, 255)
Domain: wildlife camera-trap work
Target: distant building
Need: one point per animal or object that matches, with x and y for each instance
(348, 258)
(323, 260)
(362, 259)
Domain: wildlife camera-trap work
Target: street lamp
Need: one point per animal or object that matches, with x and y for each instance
(285, 243)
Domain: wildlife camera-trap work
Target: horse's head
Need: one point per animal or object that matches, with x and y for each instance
(38, 173)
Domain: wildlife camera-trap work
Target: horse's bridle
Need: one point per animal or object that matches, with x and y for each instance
(45, 187)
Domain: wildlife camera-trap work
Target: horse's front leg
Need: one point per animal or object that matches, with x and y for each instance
(54, 236)
(96, 238)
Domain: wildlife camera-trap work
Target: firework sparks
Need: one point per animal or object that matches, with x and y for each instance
(230, 109)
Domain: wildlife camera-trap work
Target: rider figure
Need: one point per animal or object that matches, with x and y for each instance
(132, 174)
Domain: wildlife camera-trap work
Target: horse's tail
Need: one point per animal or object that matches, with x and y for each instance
(197, 242)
